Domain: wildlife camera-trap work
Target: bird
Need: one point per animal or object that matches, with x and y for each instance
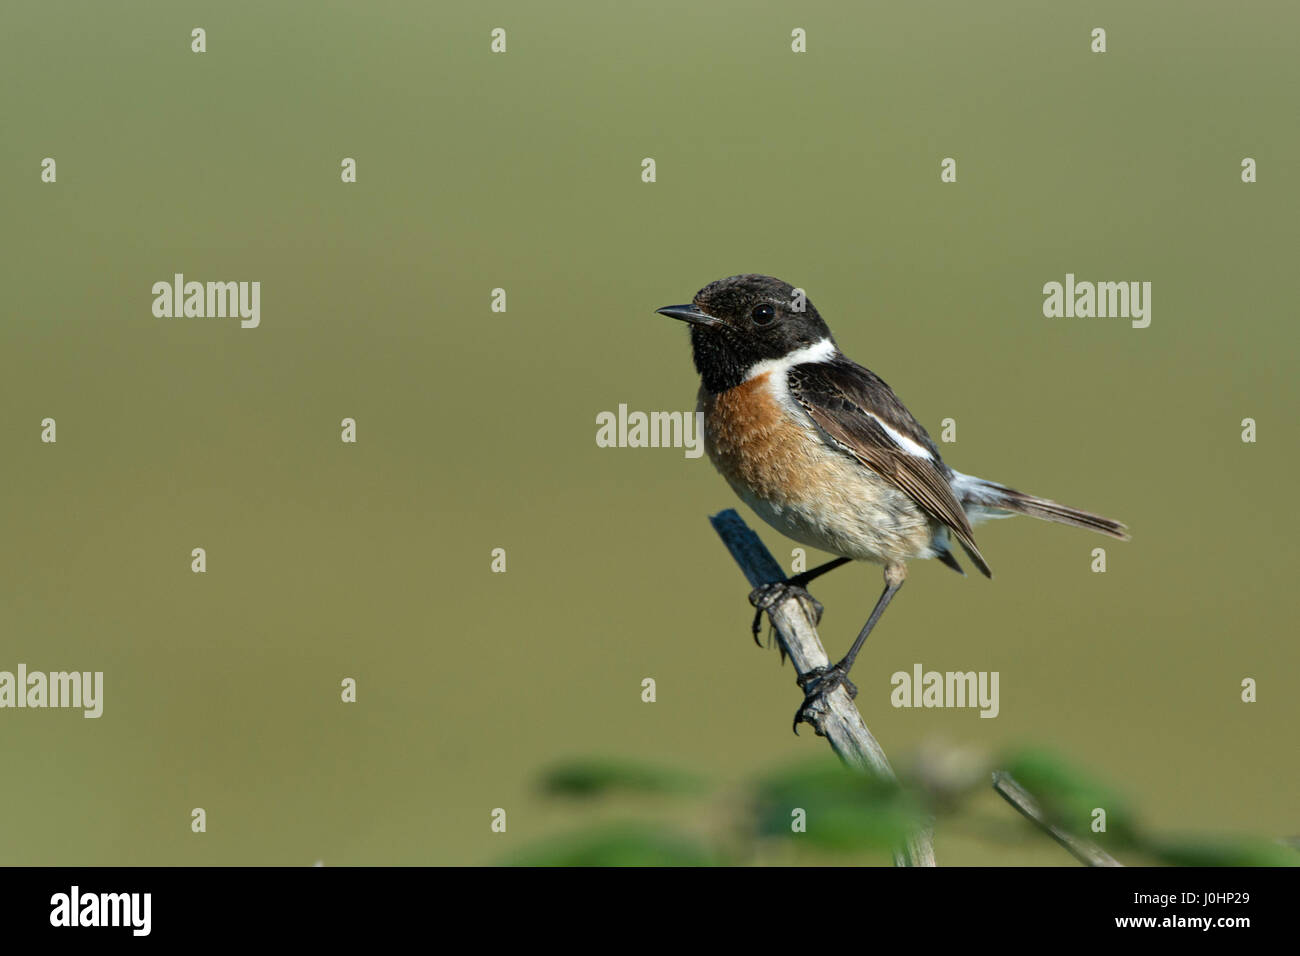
(824, 451)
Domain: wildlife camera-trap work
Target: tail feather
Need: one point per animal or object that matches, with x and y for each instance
(947, 558)
(977, 495)
(973, 553)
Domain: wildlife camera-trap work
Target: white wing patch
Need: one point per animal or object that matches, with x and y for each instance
(822, 351)
(914, 449)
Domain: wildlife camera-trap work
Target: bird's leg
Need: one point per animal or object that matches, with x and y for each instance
(768, 596)
(821, 681)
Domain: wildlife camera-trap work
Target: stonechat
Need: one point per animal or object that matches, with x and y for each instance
(822, 449)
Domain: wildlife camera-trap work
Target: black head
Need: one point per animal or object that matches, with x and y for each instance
(743, 320)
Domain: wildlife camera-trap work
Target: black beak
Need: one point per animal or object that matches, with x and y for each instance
(689, 313)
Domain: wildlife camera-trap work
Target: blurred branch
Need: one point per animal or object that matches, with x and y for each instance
(838, 720)
(1087, 853)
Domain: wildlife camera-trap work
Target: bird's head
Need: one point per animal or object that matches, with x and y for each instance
(740, 321)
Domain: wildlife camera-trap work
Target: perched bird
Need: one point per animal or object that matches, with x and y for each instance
(822, 449)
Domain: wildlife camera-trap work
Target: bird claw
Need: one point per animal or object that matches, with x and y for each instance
(816, 685)
(767, 596)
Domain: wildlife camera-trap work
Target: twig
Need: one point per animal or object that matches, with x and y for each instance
(1087, 853)
(839, 721)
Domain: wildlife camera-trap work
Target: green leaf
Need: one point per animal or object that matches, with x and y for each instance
(598, 777)
(842, 810)
(1211, 851)
(618, 845)
(1069, 796)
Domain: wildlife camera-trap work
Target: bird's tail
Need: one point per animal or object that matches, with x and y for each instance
(987, 499)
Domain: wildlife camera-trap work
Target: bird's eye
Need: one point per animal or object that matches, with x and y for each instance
(763, 315)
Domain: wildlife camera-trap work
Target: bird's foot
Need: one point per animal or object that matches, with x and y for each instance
(768, 596)
(816, 684)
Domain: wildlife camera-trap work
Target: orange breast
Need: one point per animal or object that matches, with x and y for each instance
(804, 488)
(754, 441)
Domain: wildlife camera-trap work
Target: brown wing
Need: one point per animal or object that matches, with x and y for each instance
(852, 406)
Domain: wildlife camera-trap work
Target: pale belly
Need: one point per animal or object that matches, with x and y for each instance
(860, 518)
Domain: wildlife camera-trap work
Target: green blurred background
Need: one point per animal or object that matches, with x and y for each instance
(476, 429)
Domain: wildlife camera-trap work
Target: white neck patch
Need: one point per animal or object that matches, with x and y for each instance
(821, 351)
